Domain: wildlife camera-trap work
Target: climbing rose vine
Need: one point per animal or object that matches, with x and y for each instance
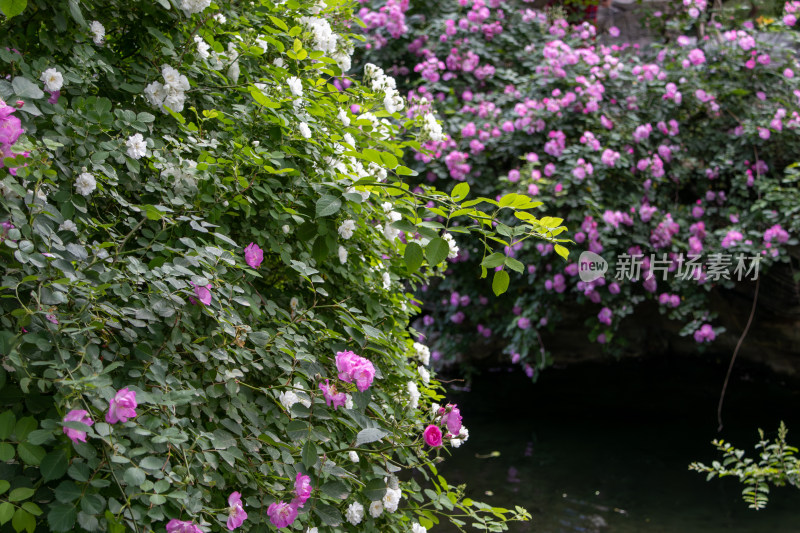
(208, 256)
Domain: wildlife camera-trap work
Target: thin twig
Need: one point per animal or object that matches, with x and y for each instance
(735, 352)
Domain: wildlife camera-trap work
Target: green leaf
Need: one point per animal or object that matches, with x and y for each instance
(309, 455)
(404, 171)
(372, 155)
(500, 282)
(262, 99)
(365, 436)
(425, 522)
(6, 512)
(61, 517)
(40, 436)
(460, 191)
(93, 503)
(24, 426)
(30, 453)
(152, 463)
(179, 118)
(494, 260)
(114, 526)
(6, 451)
(551, 222)
(389, 160)
(335, 489)
(32, 508)
(375, 489)
(4, 485)
(328, 205)
(328, 514)
(514, 265)
(413, 256)
(75, 11)
(54, 465)
(279, 23)
(297, 430)
(23, 520)
(152, 212)
(560, 250)
(134, 476)
(67, 491)
(7, 422)
(222, 440)
(19, 494)
(12, 8)
(436, 251)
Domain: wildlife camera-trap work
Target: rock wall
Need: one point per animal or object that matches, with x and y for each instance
(773, 339)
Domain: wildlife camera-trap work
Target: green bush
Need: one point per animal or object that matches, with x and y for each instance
(194, 223)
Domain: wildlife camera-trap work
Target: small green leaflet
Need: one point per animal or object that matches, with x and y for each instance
(12, 8)
(500, 282)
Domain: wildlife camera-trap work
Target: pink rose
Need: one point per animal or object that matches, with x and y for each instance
(705, 334)
(338, 399)
(182, 526)
(122, 406)
(282, 514)
(203, 293)
(432, 436)
(697, 57)
(77, 415)
(253, 255)
(302, 488)
(236, 512)
(354, 368)
(452, 419)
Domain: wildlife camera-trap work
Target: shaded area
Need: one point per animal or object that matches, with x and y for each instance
(606, 447)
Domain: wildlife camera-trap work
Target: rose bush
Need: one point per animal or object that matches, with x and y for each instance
(195, 222)
(666, 160)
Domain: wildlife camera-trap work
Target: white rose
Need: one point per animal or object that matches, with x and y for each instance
(354, 513)
(347, 228)
(85, 184)
(68, 225)
(424, 375)
(98, 32)
(295, 86)
(137, 146)
(52, 79)
(375, 509)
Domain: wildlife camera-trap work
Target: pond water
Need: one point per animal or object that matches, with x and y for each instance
(606, 448)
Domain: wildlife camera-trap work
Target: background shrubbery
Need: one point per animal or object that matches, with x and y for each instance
(666, 149)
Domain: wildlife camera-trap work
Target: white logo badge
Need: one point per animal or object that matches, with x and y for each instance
(591, 266)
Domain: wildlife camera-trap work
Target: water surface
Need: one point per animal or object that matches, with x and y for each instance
(606, 447)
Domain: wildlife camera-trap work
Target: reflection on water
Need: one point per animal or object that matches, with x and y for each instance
(606, 448)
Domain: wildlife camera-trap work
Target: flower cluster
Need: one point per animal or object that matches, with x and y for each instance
(449, 419)
(353, 368)
(171, 93)
(283, 514)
